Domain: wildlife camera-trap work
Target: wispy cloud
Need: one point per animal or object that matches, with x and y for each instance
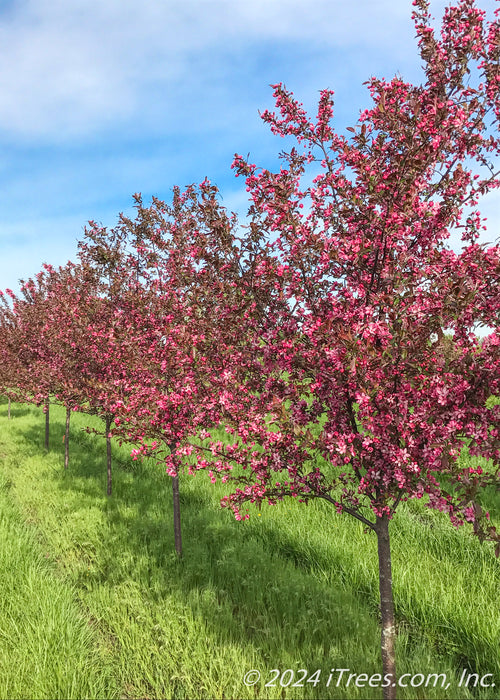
(103, 98)
(70, 69)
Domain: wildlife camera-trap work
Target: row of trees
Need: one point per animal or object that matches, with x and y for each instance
(332, 337)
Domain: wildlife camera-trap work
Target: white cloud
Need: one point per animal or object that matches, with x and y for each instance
(69, 69)
(102, 98)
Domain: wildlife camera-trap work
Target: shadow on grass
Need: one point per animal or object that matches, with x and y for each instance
(251, 584)
(17, 410)
(249, 590)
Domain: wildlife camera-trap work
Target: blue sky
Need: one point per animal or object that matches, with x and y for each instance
(103, 98)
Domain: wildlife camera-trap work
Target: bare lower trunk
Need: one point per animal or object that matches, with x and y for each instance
(8, 410)
(388, 622)
(47, 419)
(177, 515)
(109, 420)
(66, 438)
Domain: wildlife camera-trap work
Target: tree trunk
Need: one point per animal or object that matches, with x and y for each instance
(177, 515)
(66, 438)
(47, 418)
(109, 420)
(388, 622)
(8, 410)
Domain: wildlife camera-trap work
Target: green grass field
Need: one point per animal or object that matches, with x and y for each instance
(95, 604)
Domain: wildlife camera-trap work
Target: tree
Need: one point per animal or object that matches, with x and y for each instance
(332, 373)
(67, 312)
(157, 320)
(9, 363)
(49, 344)
(31, 366)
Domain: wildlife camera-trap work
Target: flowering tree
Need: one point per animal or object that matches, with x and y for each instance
(159, 396)
(333, 338)
(30, 364)
(66, 311)
(50, 348)
(9, 358)
(333, 373)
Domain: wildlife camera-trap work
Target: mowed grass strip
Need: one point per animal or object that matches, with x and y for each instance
(294, 588)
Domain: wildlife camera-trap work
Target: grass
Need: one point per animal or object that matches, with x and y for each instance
(47, 649)
(117, 615)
